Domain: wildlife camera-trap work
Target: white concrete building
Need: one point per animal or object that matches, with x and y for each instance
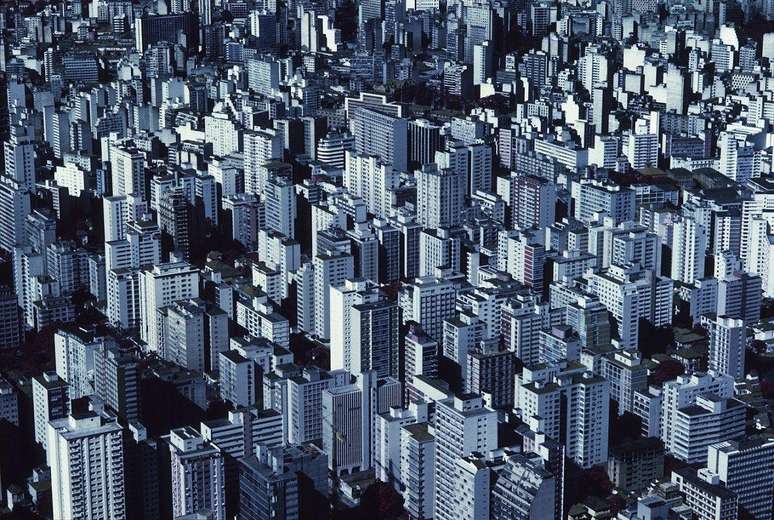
(727, 344)
(127, 167)
(571, 405)
(365, 176)
(50, 401)
(259, 148)
(364, 329)
(746, 467)
(74, 356)
(428, 301)
(221, 131)
(330, 270)
(524, 489)
(683, 391)
(86, 456)
(304, 398)
(711, 419)
(279, 198)
(417, 469)
(387, 439)
(689, 248)
(238, 434)
(159, 286)
(440, 196)
(463, 425)
(237, 375)
(705, 496)
(198, 478)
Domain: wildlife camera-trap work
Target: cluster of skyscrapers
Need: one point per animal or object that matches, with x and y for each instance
(280, 260)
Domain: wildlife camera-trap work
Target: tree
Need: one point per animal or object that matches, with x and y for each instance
(381, 501)
(666, 371)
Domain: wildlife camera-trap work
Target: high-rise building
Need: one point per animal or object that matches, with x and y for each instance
(440, 196)
(140, 247)
(117, 380)
(159, 286)
(10, 319)
(461, 334)
(332, 149)
(727, 344)
(739, 293)
(388, 453)
(263, 75)
(634, 465)
(677, 90)
(364, 329)
(305, 402)
(15, 205)
(279, 482)
(127, 170)
(279, 197)
(428, 301)
(571, 405)
(689, 246)
(641, 147)
(221, 131)
(389, 239)
(348, 413)
(602, 100)
(344, 419)
(175, 219)
(50, 401)
(237, 384)
(463, 425)
(703, 494)
(532, 202)
(242, 217)
(739, 160)
(417, 469)
(472, 481)
(424, 139)
(589, 318)
(243, 429)
(631, 294)
(154, 28)
(439, 249)
(522, 255)
(364, 247)
(626, 374)
(182, 328)
(594, 197)
(746, 468)
(682, 392)
(86, 456)
(74, 354)
(197, 468)
(377, 133)
(490, 371)
(559, 343)
(524, 488)
(68, 264)
(330, 270)
(709, 420)
(236, 436)
(260, 147)
(483, 62)
(420, 356)
(372, 180)
(19, 152)
(205, 12)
